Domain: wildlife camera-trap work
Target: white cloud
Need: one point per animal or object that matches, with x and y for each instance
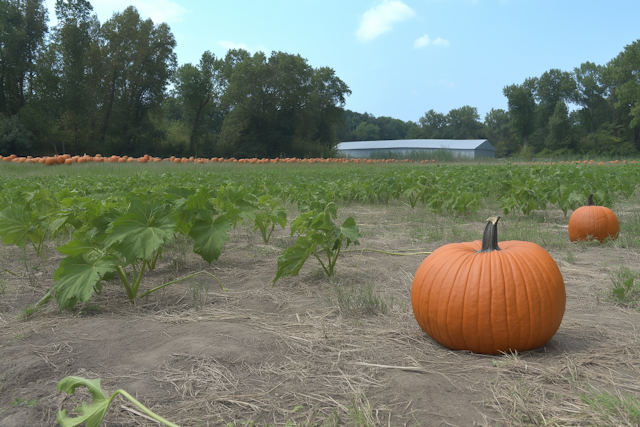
(379, 19)
(426, 41)
(421, 42)
(440, 42)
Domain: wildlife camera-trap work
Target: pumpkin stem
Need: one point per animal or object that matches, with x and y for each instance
(591, 202)
(490, 236)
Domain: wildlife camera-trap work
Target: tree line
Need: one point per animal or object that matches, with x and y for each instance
(116, 88)
(604, 118)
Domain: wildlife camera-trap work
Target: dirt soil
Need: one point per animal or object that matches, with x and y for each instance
(305, 351)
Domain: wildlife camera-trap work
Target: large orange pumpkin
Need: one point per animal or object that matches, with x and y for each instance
(488, 299)
(593, 222)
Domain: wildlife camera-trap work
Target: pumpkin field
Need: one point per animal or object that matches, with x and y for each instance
(255, 293)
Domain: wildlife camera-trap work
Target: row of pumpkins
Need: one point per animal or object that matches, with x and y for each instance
(492, 299)
(67, 159)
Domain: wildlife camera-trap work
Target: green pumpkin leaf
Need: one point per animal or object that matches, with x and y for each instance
(91, 414)
(238, 204)
(270, 212)
(56, 225)
(76, 278)
(141, 231)
(209, 235)
(291, 261)
(76, 248)
(350, 230)
(15, 225)
(317, 230)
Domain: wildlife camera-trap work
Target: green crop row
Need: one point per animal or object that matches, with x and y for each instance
(121, 221)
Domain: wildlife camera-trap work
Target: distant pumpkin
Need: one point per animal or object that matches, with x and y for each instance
(488, 299)
(593, 222)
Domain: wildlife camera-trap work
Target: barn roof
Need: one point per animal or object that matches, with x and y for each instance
(454, 144)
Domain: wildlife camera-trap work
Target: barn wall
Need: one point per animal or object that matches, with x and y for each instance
(365, 153)
(485, 153)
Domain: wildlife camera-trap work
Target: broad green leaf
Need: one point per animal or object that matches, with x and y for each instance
(14, 226)
(91, 414)
(291, 260)
(180, 192)
(56, 225)
(209, 235)
(141, 231)
(202, 199)
(76, 278)
(237, 203)
(76, 248)
(350, 230)
(40, 200)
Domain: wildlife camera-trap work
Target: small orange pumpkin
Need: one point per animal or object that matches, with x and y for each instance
(593, 222)
(488, 299)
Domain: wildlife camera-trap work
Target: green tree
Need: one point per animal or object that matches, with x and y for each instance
(590, 91)
(500, 133)
(433, 125)
(198, 88)
(413, 131)
(626, 74)
(23, 26)
(464, 123)
(324, 112)
(274, 104)
(73, 39)
(560, 138)
(139, 60)
(367, 132)
(14, 138)
(43, 113)
(248, 100)
(553, 86)
(522, 108)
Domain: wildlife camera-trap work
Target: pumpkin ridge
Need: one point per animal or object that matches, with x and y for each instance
(465, 315)
(421, 303)
(554, 322)
(485, 263)
(431, 315)
(522, 272)
(540, 278)
(513, 273)
(547, 313)
(548, 276)
(468, 263)
(505, 292)
(456, 256)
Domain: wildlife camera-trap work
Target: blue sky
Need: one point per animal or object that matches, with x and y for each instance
(402, 58)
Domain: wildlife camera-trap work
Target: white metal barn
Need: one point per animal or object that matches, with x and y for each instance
(471, 148)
